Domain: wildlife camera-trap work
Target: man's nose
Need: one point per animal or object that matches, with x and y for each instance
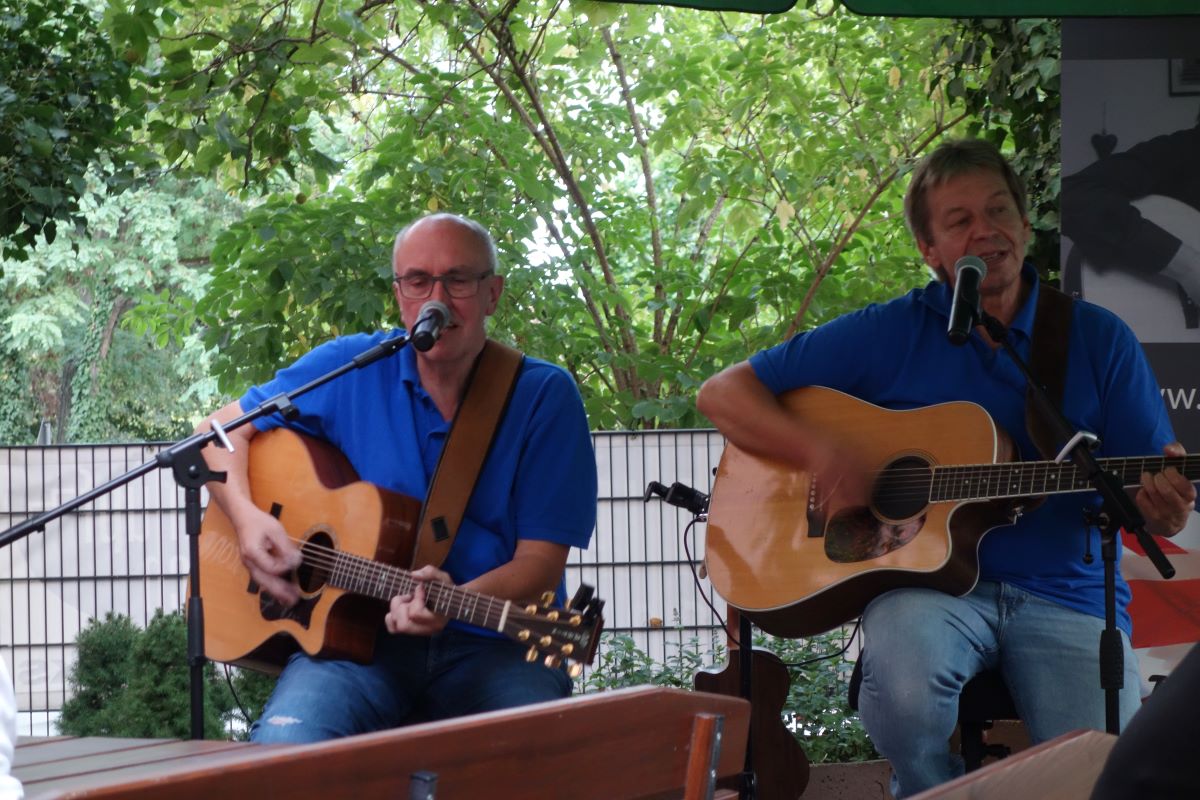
(440, 292)
(982, 228)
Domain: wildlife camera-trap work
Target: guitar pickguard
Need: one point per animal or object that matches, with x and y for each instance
(272, 610)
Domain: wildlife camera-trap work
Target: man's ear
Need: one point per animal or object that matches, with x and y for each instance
(495, 289)
(932, 261)
(928, 253)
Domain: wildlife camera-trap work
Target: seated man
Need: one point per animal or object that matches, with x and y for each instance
(1037, 612)
(535, 498)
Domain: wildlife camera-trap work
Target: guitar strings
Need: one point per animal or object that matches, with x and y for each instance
(363, 573)
(918, 483)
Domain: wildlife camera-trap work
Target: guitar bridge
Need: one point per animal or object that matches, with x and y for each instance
(814, 514)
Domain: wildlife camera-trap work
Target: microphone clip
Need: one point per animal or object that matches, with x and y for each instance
(680, 496)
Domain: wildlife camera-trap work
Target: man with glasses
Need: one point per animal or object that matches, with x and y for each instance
(534, 499)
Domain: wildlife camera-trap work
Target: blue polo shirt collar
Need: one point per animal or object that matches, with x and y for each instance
(408, 365)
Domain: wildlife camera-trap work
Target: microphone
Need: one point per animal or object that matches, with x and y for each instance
(969, 272)
(432, 320)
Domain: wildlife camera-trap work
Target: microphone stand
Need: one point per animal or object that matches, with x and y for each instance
(1116, 511)
(191, 472)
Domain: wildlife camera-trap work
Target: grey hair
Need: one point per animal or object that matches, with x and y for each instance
(480, 232)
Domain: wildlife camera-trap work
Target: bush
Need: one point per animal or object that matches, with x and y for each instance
(129, 682)
(816, 710)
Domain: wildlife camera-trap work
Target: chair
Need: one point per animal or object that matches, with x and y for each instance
(984, 699)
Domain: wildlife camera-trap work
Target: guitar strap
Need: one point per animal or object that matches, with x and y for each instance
(489, 388)
(1048, 361)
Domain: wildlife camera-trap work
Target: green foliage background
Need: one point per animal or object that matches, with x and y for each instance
(816, 710)
(130, 682)
(670, 190)
(65, 109)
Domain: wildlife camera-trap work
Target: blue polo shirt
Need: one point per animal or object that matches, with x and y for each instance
(896, 355)
(538, 482)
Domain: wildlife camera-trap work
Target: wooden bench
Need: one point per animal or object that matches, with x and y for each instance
(632, 743)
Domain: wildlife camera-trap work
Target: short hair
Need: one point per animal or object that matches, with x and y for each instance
(949, 159)
(481, 233)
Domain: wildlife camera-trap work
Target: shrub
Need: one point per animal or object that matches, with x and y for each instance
(816, 710)
(129, 682)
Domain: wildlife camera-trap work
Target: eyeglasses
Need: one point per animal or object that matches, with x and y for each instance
(419, 285)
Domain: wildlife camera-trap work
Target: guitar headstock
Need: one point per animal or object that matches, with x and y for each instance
(560, 635)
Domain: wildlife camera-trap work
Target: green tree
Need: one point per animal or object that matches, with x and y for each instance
(64, 109)
(670, 190)
(97, 328)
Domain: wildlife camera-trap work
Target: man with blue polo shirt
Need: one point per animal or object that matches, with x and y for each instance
(1037, 611)
(535, 498)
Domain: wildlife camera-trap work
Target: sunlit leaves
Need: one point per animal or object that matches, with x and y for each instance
(765, 199)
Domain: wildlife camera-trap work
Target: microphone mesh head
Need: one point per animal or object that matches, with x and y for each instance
(435, 306)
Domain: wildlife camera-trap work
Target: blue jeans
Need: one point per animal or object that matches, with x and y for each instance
(412, 677)
(921, 646)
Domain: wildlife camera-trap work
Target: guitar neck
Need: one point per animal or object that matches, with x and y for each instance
(363, 576)
(1036, 478)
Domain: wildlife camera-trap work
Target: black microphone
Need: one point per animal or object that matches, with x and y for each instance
(969, 272)
(432, 320)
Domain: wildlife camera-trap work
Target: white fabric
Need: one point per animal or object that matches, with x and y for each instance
(10, 787)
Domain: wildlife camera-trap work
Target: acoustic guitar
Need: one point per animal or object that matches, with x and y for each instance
(777, 758)
(352, 537)
(796, 560)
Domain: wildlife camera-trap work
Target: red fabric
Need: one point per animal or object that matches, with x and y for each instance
(1165, 612)
(1168, 547)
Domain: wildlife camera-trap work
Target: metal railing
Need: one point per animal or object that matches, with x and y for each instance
(127, 553)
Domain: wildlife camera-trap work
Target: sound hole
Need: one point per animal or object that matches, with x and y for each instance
(902, 490)
(318, 553)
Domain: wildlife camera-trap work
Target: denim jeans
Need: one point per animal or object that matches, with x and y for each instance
(412, 677)
(921, 646)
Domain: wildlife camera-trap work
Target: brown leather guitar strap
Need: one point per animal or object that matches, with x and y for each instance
(489, 389)
(1048, 361)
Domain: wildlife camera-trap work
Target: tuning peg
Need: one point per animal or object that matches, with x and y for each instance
(576, 620)
(566, 649)
(545, 641)
(531, 608)
(553, 661)
(523, 635)
(547, 598)
(552, 616)
(531, 655)
(575, 670)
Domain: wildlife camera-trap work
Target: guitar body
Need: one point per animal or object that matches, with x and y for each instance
(781, 549)
(778, 760)
(306, 484)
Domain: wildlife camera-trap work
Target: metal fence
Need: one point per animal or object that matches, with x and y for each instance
(127, 553)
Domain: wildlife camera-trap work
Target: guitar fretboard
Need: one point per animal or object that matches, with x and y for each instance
(383, 582)
(1032, 478)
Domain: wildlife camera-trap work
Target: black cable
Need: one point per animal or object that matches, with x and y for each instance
(687, 551)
